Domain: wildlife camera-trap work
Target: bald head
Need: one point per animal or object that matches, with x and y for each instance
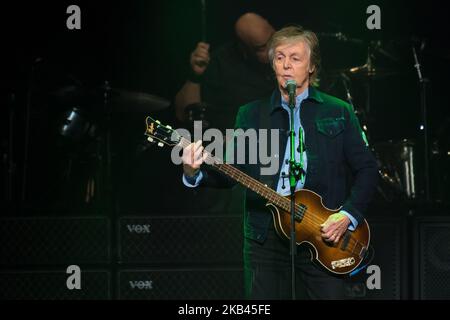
(254, 31)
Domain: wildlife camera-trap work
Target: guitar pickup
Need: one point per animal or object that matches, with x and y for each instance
(300, 213)
(345, 240)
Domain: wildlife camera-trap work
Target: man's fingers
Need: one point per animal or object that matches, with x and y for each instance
(197, 156)
(329, 233)
(333, 228)
(200, 62)
(332, 235)
(203, 45)
(200, 57)
(328, 238)
(333, 238)
(194, 155)
(187, 152)
(328, 226)
(193, 150)
(201, 53)
(198, 153)
(197, 145)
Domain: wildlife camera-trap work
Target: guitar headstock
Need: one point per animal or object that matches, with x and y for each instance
(161, 134)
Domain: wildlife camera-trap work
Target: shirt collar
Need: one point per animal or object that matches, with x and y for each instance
(298, 99)
(312, 94)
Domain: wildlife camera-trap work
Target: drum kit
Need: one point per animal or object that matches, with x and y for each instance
(96, 122)
(81, 119)
(398, 159)
(403, 163)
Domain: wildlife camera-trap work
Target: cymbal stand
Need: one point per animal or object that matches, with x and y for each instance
(108, 195)
(360, 115)
(424, 127)
(370, 68)
(105, 153)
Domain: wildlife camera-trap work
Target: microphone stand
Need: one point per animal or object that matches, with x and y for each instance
(423, 106)
(295, 170)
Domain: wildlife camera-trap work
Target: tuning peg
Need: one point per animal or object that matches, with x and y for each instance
(150, 139)
(160, 144)
(158, 122)
(168, 127)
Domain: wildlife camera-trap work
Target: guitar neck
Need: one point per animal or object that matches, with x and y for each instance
(245, 180)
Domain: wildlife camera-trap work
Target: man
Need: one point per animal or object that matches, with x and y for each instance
(332, 142)
(236, 73)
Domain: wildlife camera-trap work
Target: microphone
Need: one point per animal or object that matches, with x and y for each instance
(291, 87)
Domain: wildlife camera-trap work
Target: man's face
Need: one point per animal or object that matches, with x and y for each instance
(261, 53)
(292, 62)
(255, 40)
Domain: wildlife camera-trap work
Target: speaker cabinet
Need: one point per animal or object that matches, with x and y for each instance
(181, 240)
(186, 284)
(432, 257)
(38, 241)
(52, 285)
(388, 239)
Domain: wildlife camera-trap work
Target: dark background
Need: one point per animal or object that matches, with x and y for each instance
(145, 46)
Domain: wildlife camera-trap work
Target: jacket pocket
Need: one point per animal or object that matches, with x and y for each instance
(330, 127)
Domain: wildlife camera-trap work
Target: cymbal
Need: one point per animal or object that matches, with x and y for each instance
(131, 101)
(363, 72)
(340, 37)
(119, 100)
(367, 72)
(69, 94)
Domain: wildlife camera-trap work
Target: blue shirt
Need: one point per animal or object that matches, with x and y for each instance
(283, 186)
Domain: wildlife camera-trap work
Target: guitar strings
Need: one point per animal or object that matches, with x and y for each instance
(311, 220)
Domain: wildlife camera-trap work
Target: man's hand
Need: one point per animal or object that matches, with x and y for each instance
(193, 158)
(200, 58)
(334, 227)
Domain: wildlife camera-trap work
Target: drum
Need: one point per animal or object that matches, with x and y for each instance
(198, 112)
(76, 125)
(397, 165)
